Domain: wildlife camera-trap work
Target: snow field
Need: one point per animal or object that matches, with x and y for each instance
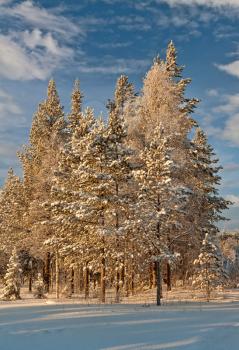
(196, 326)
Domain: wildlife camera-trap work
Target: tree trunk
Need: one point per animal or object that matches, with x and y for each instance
(158, 275)
(132, 282)
(169, 279)
(30, 284)
(123, 274)
(81, 278)
(102, 281)
(46, 271)
(117, 287)
(72, 281)
(208, 291)
(126, 285)
(51, 281)
(57, 276)
(87, 282)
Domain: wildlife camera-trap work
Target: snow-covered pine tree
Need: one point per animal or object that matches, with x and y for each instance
(124, 94)
(98, 179)
(210, 272)
(122, 108)
(92, 193)
(12, 209)
(62, 187)
(163, 102)
(64, 200)
(120, 170)
(39, 160)
(11, 290)
(207, 204)
(76, 105)
(39, 287)
(158, 203)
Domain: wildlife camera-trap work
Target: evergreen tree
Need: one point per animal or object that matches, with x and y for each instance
(64, 203)
(163, 102)
(208, 205)
(12, 210)
(159, 201)
(39, 160)
(11, 291)
(120, 170)
(210, 272)
(39, 287)
(93, 199)
(112, 199)
(171, 61)
(88, 201)
(124, 93)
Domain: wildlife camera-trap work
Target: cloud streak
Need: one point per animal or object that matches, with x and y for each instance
(231, 68)
(48, 20)
(10, 112)
(36, 52)
(229, 110)
(115, 66)
(27, 56)
(208, 3)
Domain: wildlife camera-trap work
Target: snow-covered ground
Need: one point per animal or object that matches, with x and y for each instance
(51, 325)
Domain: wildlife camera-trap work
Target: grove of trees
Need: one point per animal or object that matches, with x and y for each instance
(120, 202)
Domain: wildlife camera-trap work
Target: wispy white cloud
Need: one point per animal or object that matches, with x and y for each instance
(229, 110)
(212, 92)
(7, 104)
(7, 150)
(230, 68)
(4, 2)
(230, 105)
(8, 158)
(231, 130)
(231, 167)
(36, 39)
(44, 47)
(45, 19)
(11, 113)
(19, 63)
(208, 3)
(115, 66)
(114, 45)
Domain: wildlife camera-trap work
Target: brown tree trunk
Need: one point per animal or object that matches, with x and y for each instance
(169, 279)
(117, 287)
(123, 275)
(51, 282)
(81, 279)
(126, 285)
(102, 281)
(46, 272)
(72, 281)
(158, 272)
(30, 284)
(132, 282)
(87, 282)
(57, 276)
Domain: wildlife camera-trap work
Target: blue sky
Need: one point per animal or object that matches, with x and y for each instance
(97, 40)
